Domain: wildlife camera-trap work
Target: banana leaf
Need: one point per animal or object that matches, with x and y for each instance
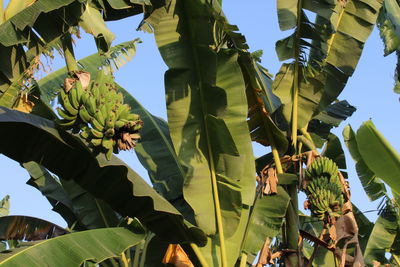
(92, 212)
(63, 154)
(372, 184)
(23, 38)
(383, 237)
(333, 150)
(379, 155)
(92, 22)
(262, 103)
(333, 54)
(78, 207)
(52, 189)
(28, 228)
(266, 220)
(207, 119)
(92, 245)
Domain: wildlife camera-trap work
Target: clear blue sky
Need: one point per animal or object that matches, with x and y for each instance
(370, 90)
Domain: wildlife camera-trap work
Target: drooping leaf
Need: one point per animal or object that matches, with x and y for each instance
(5, 206)
(333, 150)
(373, 186)
(266, 219)
(388, 24)
(364, 227)
(52, 189)
(28, 228)
(335, 113)
(66, 156)
(262, 103)
(333, 54)
(380, 157)
(92, 22)
(94, 245)
(387, 33)
(92, 212)
(23, 38)
(382, 237)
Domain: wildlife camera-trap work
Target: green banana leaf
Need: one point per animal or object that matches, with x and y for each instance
(92, 22)
(24, 37)
(155, 150)
(383, 236)
(335, 113)
(78, 207)
(392, 9)
(388, 22)
(364, 227)
(120, 9)
(333, 56)
(266, 220)
(92, 245)
(262, 103)
(379, 155)
(207, 119)
(333, 150)
(63, 154)
(51, 188)
(92, 212)
(28, 228)
(387, 33)
(372, 184)
(5, 206)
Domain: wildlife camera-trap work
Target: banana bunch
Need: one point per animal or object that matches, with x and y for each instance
(324, 166)
(70, 100)
(99, 112)
(325, 198)
(324, 190)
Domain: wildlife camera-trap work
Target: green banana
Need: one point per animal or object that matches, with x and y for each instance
(96, 125)
(96, 141)
(65, 115)
(73, 97)
(84, 115)
(96, 134)
(64, 101)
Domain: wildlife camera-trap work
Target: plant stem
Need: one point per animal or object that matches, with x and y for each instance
(296, 79)
(275, 153)
(292, 229)
(137, 255)
(144, 250)
(243, 260)
(199, 255)
(124, 260)
(68, 50)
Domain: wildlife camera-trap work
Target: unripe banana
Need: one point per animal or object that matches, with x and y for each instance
(65, 115)
(96, 125)
(64, 101)
(96, 134)
(84, 115)
(73, 97)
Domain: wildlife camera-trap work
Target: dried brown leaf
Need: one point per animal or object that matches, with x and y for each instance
(84, 78)
(177, 256)
(24, 104)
